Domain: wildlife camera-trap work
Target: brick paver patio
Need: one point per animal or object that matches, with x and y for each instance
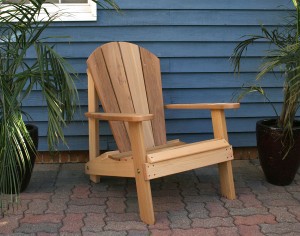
(61, 201)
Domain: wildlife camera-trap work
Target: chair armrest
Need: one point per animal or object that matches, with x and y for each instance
(209, 106)
(129, 117)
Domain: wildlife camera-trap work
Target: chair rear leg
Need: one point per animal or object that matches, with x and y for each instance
(226, 180)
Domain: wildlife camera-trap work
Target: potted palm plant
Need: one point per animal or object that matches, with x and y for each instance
(278, 140)
(21, 27)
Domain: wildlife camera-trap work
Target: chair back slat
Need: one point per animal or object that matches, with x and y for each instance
(125, 80)
(152, 78)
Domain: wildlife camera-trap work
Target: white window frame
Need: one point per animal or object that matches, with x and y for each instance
(71, 11)
(74, 12)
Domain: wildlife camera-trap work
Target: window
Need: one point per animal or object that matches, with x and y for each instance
(73, 10)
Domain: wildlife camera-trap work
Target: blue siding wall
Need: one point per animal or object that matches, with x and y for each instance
(194, 40)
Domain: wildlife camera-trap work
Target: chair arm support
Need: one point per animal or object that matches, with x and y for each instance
(208, 106)
(128, 117)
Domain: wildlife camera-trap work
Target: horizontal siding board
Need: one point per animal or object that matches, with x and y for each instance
(259, 110)
(191, 65)
(191, 17)
(216, 80)
(163, 49)
(194, 4)
(154, 33)
(179, 96)
(216, 95)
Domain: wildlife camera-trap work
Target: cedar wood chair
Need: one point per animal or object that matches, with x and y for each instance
(127, 80)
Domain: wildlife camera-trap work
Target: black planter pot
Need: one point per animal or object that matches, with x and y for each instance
(29, 164)
(277, 169)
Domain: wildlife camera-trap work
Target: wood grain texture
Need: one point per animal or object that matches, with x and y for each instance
(186, 150)
(152, 76)
(135, 79)
(210, 106)
(142, 185)
(128, 117)
(168, 167)
(94, 149)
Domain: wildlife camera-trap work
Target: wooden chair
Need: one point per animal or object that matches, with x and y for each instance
(127, 80)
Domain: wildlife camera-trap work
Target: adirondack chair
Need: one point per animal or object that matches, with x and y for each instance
(126, 79)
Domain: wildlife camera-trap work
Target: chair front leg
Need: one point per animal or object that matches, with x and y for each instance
(142, 185)
(225, 168)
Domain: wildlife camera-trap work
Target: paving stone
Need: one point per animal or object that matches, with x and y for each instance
(116, 205)
(46, 234)
(35, 228)
(73, 223)
(132, 204)
(86, 209)
(87, 201)
(166, 192)
(108, 193)
(254, 220)
(275, 189)
(250, 200)
(9, 223)
(128, 225)
(280, 228)
(169, 206)
(236, 203)
(292, 188)
(106, 233)
(94, 222)
(138, 233)
(190, 192)
(70, 234)
(257, 187)
(246, 230)
(227, 231)
(44, 218)
(248, 211)
(287, 234)
(216, 209)
(296, 195)
(179, 220)
(37, 206)
(282, 215)
(295, 210)
(161, 221)
(243, 190)
(274, 196)
(206, 197)
(62, 192)
(58, 205)
(193, 232)
(31, 196)
(282, 202)
(81, 191)
(212, 222)
(126, 216)
(98, 188)
(157, 232)
(196, 210)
